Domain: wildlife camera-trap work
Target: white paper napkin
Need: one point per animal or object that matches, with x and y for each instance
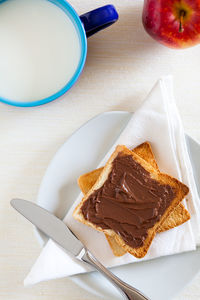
(158, 122)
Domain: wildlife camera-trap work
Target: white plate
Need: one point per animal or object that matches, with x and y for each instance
(161, 278)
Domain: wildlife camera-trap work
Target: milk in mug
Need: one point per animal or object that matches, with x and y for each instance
(39, 49)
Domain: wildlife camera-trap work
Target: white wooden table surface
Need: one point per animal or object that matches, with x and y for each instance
(123, 64)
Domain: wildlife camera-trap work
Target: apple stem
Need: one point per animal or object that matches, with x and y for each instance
(181, 16)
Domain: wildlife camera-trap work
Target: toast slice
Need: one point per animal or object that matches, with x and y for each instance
(177, 217)
(161, 179)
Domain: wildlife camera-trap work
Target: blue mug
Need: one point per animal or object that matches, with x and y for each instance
(86, 25)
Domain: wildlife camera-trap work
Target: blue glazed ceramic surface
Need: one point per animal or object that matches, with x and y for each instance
(67, 8)
(87, 25)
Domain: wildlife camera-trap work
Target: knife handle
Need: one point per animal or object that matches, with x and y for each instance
(125, 289)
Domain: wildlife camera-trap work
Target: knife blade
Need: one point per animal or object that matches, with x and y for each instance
(62, 235)
(49, 224)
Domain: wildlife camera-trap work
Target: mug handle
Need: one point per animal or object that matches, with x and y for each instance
(98, 19)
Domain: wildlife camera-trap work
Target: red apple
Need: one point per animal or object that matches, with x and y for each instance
(174, 23)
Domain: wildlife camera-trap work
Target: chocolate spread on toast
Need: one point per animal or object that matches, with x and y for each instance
(129, 202)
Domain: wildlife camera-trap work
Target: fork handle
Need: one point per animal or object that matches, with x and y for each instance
(125, 289)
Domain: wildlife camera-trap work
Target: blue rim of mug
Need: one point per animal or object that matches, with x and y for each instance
(69, 10)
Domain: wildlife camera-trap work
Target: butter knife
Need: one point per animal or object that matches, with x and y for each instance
(58, 231)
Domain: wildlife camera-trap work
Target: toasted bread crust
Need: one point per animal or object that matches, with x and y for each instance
(144, 150)
(176, 218)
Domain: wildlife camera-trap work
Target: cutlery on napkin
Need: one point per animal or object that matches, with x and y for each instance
(57, 230)
(156, 121)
